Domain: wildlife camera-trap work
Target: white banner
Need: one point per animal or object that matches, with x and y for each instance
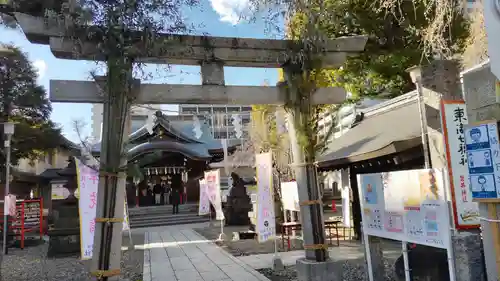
(454, 119)
(126, 224)
(88, 182)
(266, 225)
(290, 196)
(212, 180)
(346, 206)
(204, 205)
(9, 205)
(406, 206)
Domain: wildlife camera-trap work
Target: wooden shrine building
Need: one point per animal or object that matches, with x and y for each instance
(171, 151)
(386, 137)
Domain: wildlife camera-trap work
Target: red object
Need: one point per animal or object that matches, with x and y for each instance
(334, 206)
(19, 224)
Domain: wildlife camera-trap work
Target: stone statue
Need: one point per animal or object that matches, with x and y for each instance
(238, 203)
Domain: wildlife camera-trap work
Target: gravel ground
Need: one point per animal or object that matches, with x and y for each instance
(351, 272)
(32, 264)
(244, 247)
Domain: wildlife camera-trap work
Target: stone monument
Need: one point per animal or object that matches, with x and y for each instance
(64, 231)
(238, 203)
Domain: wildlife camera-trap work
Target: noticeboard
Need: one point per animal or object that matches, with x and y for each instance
(406, 206)
(483, 160)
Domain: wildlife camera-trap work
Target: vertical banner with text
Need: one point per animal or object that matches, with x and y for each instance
(212, 181)
(266, 225)
(454, 121)
(88, 182)
(204, 205)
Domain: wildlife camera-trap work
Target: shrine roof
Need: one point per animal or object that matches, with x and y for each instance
(390, 127)
(184, 139)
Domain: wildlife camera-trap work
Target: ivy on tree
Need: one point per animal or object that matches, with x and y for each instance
(25, 103)
(394, 43)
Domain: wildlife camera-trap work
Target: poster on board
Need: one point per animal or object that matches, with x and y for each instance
(483, 155)
(212, 181)
(407, 206)
(454, 120)
(204, 205)
(266, 224)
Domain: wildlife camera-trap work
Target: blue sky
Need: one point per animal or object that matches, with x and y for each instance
(217, 17)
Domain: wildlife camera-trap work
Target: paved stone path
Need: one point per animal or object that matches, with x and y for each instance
(178, 253)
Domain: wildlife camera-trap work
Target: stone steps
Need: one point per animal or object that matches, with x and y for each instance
(162, 216)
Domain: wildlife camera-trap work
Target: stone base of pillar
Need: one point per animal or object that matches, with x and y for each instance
(278, 263)
(468, 255)
(308, 270)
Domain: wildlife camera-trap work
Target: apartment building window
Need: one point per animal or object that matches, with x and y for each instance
(190, 110)
(233, 109)
(245, 119)
(220, 135)
(205, 110)
(219, 110)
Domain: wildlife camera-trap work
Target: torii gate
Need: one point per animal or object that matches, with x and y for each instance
(221, 52)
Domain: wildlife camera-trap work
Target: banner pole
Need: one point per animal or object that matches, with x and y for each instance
(277, 262)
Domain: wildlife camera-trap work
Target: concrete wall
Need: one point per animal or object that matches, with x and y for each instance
(56, 159)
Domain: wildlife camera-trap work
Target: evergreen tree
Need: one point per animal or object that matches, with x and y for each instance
(395, 43)
(26, 104)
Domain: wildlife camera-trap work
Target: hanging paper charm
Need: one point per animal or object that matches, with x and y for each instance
(236, 122)
(197, 127)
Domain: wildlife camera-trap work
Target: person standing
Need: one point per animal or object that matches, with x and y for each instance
(157, 190)
(176, 200)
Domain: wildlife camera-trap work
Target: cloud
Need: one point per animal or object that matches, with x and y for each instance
(231, 11)
(41, 67)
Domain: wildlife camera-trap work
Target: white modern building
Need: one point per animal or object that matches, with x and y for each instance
(220, 118)
(342, 120)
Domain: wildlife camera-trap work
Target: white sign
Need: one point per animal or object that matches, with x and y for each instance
(266, 225)
(88, 181)
(204, 205)
(290, 196)
(454, 118)
(212, 180)
(407, 206)
(346, 206)
(9, 205)
(59, 191)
